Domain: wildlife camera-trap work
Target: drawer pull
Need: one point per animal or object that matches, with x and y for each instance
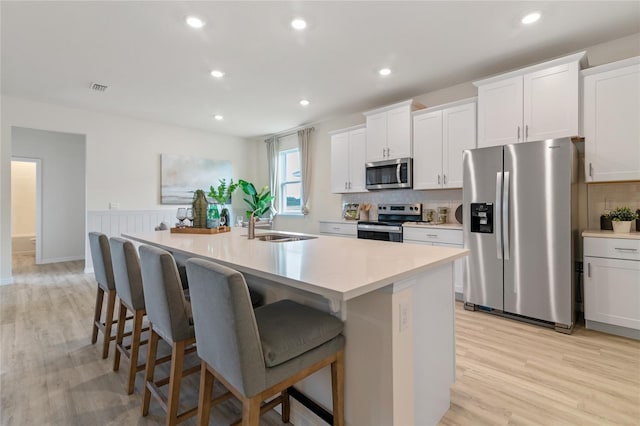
(626, 249)
(589, 270)
(335, 228)
(432, 235)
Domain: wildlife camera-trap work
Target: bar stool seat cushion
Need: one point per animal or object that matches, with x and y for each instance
(288, 329)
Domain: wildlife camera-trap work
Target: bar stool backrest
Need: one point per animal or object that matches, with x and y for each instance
(167, 308)
(101, 257)
(127, 273)
(225, 325)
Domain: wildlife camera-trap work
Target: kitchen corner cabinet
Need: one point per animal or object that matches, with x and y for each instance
(347, 160)
(436, 235)
(530, 104)
(612, 284)
(611, 126)
(389, 131)
(440, 135)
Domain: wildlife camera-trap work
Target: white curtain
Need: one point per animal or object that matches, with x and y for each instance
(272, 158)
(304, 146)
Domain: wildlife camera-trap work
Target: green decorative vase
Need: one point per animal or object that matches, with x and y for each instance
(200, 206)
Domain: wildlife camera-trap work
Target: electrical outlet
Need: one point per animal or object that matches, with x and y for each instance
(114, 206)
(405, 315)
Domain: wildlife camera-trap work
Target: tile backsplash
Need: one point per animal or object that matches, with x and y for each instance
(604, 197)
(450, 198)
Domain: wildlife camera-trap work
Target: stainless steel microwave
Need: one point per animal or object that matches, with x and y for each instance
(389, 174)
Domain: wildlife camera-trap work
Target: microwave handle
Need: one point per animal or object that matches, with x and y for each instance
(398, 173)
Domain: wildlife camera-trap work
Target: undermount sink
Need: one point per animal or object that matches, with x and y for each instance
(283, 238)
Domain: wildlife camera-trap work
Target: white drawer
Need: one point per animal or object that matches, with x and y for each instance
(433, 235)
(614, 248)
(336, 228)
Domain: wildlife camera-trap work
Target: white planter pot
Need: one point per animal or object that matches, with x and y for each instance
(620, 226)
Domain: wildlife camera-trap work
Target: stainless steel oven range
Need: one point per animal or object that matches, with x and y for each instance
(388, 227)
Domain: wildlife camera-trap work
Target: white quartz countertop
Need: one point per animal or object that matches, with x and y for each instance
(338, 268)
(432, 225)
(597, 233)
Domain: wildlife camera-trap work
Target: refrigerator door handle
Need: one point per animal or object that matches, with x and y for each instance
(498, 226)
(505, 216)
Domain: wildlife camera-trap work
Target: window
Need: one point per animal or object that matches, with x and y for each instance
(289, 196)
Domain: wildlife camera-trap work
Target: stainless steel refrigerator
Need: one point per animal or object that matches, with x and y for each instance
(520, 225)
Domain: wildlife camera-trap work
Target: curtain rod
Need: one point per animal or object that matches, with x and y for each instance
(291, 133)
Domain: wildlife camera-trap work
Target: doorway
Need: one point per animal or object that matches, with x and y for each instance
(26, 224)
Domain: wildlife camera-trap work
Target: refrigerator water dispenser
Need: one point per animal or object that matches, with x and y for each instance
(482, 218)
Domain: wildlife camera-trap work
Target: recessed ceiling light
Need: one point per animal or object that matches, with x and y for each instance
(218, 117)
(304, 102)
(217, 73)
(531, 18)
(194, 22)
(384, 71)
(299, 24)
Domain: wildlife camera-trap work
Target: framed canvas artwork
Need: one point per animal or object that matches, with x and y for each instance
(182, 175)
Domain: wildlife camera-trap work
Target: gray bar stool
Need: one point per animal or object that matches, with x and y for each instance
(169, 314)
(101, 257)
(259, 355)
(128, 278)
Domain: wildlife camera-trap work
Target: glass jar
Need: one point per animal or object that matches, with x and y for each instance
(443, 214)
(213, 216)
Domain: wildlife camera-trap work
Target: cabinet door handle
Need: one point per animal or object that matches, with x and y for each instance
(444, 179)
(384, 152)
(438, 179)
(590, 170)
(526, 132)
(589, 270)
(349, 185)
(626, 249)
(518, 133)
(345, 185)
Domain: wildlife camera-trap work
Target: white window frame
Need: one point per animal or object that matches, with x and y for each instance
(282, 199)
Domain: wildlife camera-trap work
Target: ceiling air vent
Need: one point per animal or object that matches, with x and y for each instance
(98, 87)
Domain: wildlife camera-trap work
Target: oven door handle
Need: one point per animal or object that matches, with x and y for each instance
(381, 228)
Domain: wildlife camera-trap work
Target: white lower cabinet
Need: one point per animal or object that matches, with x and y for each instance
(339, 228)
(612, 285)
(434, 236)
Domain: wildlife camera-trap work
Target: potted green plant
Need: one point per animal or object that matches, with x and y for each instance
(221, 195)
(258, 202)
(621, 219)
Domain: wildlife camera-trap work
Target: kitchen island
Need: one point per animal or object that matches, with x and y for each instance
(397, 301)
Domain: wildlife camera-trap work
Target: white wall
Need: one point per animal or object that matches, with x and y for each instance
(23, 198)
(62, 158)
(122, 157)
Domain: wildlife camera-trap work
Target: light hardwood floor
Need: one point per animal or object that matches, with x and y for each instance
(507, 372)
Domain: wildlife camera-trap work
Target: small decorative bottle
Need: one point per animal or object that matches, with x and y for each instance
(213, 216)
(199, 206)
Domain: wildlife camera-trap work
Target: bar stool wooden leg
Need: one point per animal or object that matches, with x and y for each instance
(251, 411)
(97, 314)
(175, 378)
(122, 316)
(136, 336)
(108, 323)
(337, 389)
(204, 399)
(286, 406)
(152, 352)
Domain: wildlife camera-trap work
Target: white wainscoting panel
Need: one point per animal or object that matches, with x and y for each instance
(114, 223)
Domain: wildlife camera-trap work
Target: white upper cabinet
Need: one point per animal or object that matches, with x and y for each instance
(611, 121)
(389, 131)
(534, 103)
(440, 135)
(347, 160)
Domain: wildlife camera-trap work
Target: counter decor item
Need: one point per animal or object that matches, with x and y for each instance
(213, 216)
(364, 211)
(458, 214)
(428, 215)
(351, 211)
(222, 194)
(258, 202)
(443, 215)
(621, 219)
(200, 207)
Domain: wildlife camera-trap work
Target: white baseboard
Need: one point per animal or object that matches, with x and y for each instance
(61, 259)
(6, 281)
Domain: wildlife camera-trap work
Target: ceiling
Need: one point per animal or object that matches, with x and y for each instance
(157, 68)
